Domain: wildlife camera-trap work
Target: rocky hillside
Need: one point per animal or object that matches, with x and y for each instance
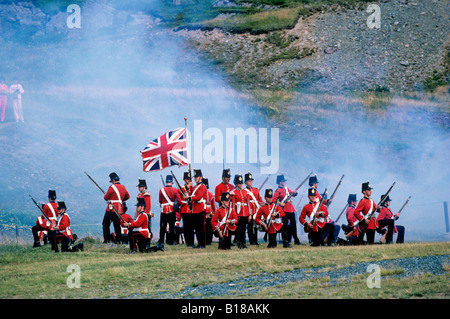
(332, 49)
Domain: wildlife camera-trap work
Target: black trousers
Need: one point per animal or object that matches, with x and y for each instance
(137, 239)
(208, 231)
(289, 227)
(37, 228)
(390, 228)
(167, 219)
(252, 231)
(328, 230)
(55, 238)
(400, 234)
(188, 229)
(110, 216)
(241, 228)
(198, 224)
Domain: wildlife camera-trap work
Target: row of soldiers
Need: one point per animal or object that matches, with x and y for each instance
(239, 211)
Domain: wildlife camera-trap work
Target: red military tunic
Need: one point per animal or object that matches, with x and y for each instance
(222, 188)
(281, 193)
(148, 201)
(365, 206)
(141, 225)
(184, 207)
(254, 200)
(263, 213)
(240, 202)
(128, 219)
(351, 219)
(51, 211)
(167, 197)
(64, 226)
(218, 220)
(210, 204)
(307, 212)
(198, 197)
(117, 194)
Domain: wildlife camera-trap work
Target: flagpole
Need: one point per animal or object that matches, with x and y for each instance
(188, 157)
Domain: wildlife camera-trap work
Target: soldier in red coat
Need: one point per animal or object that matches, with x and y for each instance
(352, 221)
(225, 186)
(240, 205)
(210, 209)
(143, 192)
(290, 224)
(42, 224)
(185, 209)
(317, 218)
(198, 199)
(386, 220)
(365, 207)
(139, 234)
(62, 234)
(254, 203)
(115, 196)
(270, 223)
(224, 221)
(168, 196)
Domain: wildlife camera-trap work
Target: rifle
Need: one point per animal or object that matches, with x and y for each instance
(300, 201)
(334, 192)
(402, 207)
(363, 227)
(270, 217)
(181, 190)
(345, 208)
(265, 181)
(295, 190)
(115, 210)
(314, 212)
(162, 180)
(226, 218)
(42, 211)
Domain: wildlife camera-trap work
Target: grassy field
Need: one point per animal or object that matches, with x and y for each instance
(109, 272)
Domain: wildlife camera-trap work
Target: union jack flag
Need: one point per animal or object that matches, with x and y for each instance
(167, 150)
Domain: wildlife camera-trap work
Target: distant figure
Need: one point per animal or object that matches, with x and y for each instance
(3, 98)
(16, 91)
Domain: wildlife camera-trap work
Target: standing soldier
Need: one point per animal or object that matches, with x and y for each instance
(210, 209)
(42, 224)
(139, 233)
(254, 203)
(167, 198)
(240, 204)
(386, 218)
(316, 223)
(3, 98)
(143, 193)
(290, 224)
(365, 207)
(225, 186)
(224, 221)
(115, 196)
(62, 234)
(198, 199)
(263, 216)
(185, 209)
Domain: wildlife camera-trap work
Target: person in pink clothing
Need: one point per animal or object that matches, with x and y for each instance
(16, 92)
(3, 98)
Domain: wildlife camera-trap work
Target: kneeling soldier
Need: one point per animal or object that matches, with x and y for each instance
(275, 214)
(63, 234)
(139, 233)
(224, 221)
